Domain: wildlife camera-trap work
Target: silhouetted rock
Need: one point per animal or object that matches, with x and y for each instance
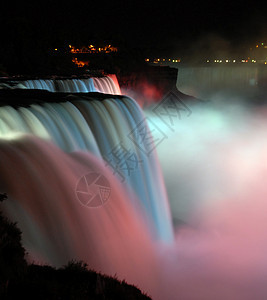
(74, 281)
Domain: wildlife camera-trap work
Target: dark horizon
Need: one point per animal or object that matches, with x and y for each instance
(141, 29)
(141, 23)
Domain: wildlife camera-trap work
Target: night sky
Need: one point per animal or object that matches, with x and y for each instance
(165, 27)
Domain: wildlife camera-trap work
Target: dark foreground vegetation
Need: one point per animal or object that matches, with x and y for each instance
(20, 280)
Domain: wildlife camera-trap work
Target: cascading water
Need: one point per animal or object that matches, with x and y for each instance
(41, 84)
(106, 84)
(41, 182)
(75, 85)
(103, 129)
(46, 151)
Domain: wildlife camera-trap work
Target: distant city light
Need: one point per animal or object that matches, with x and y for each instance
(259, 55)
(92, 49)
(163, 60)
(80, 63)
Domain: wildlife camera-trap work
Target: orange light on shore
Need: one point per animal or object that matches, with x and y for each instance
(80, 63)
(92, 49)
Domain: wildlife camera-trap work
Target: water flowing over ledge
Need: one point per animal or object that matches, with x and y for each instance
(105, 84)
(48, 149)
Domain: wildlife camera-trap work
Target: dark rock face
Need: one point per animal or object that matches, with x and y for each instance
(149, 84)
(73, 281)
(26, 97)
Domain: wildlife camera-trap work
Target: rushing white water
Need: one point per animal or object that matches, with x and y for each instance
(102, 128)
(107, 84)
(40, 84)
(41, 181)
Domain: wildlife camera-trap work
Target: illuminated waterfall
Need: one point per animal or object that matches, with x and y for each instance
(214, 167)
(41, 182)
(100, 128)
(46, 149)
(75, 85)
(40, 84)
(106, 84)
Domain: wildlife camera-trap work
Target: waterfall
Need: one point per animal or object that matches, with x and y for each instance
(106, 84)
(57, 227)
(89, 126)
(49, 150)
(40, 84)
(82, 185)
